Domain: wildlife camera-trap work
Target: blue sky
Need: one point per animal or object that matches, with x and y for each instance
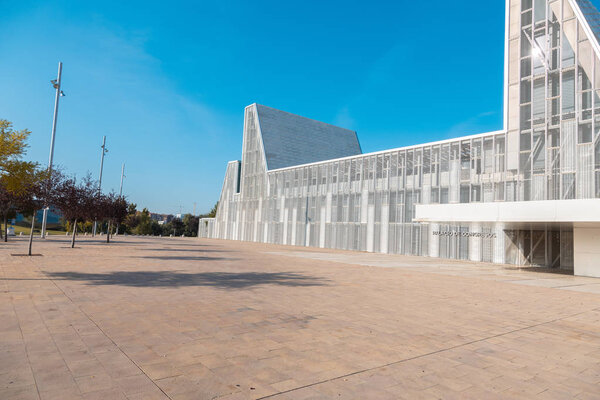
(167, 83)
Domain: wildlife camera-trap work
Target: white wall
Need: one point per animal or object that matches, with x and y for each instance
(570, 211)
(586, 241)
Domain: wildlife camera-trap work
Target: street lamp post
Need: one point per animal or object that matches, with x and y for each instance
(56, 83)
(121, 190)
(102, 153)
(122, 176)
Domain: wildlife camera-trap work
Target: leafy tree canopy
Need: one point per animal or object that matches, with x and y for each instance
(13, 144)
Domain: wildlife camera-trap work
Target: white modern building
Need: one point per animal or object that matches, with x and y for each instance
(526, 195)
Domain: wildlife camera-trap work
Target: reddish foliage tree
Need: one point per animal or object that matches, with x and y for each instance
(76, 201)
(115, 210)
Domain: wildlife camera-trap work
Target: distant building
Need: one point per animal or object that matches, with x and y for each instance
(54, 217)
(161, 218)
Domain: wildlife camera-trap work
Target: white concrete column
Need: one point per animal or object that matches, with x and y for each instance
(282, 218)
(475, 242)
(239, 223)
(322, 227)
(294, 220)
(586, 246)
(370, 227)
(307, 237)
(266, 232)
(499, 244)
(385, 228)
(364, 206)
(454, 191)
(286, 214)
(255, 227)
(328, 209)
(434, 240)
(426, 193)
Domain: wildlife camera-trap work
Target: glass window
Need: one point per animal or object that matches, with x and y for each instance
(539, 151)
(464, 193)
(526, 67)
(584, 81)
(568, 92)
(585, 133)
(586, 104)
(525, 162)
(488, 155)
(597, 151)
(554, 31)
(554, 59)
(568, 186)
(526, 117)
(553, 137)
(525, 43)
(568, 55)
(540, 10)
(445, 159)
(526, 18)
(539, 101)
(525, 143)
(435, 195)
(554, 84)
(525, 91)
(499, 191)
(539, 52)
(475, 193)
(443, 195)
(554, 110)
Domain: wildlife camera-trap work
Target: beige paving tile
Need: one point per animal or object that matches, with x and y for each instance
(147, 318)
(94, 383)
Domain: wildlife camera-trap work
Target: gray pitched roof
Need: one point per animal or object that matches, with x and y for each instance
(290, 139)
(592, 16)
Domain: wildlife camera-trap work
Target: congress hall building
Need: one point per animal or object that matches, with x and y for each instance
(525, 195)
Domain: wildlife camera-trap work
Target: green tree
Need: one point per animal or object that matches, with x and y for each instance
(17, 177)
(144, 223)
(42, 190)
(131, 220)
(13, 144)
(190, 223)
(213, 211)
(177, 227)
(156, 228)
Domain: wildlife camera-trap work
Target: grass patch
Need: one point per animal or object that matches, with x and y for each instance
(25, 231)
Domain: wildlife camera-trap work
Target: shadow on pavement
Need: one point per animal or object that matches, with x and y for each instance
(222, 280)
(197, 250)
(185, 258)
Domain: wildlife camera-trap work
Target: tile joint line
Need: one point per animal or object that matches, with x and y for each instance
(104, 333)
(425, 355)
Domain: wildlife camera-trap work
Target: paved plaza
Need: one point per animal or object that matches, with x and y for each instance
(174, 318)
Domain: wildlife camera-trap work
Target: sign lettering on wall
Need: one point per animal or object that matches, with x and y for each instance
(465, 234)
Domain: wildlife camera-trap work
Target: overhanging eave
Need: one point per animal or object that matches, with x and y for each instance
(547, 211)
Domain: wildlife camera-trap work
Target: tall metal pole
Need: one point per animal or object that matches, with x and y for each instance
(122, 176)
(56, 85)
(103, 152)
(121, 191)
